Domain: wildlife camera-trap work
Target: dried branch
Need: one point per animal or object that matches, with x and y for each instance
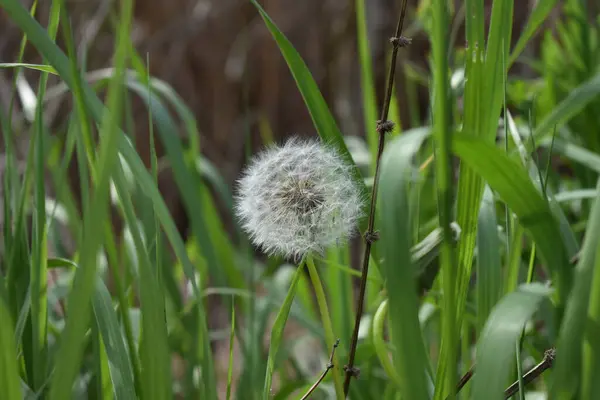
(383, 126)
(329, 366)
(530, 376)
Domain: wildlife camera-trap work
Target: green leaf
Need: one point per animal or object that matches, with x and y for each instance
(107, 322)
(567, 373)
(489, 270)
(366, 81)
(496, 347)
(512, 183)
(9, 366)
(39, 67)
(409, 356)
(538, 16)
(277, 330)
(577, 99)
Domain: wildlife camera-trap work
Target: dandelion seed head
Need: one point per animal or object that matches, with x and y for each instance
(298, 198)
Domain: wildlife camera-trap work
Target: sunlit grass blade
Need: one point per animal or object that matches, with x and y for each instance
(121, 374)
(37, 67)
(512, 183)
(489, 271)
(568, 374)
(409, 356)
(496, 347)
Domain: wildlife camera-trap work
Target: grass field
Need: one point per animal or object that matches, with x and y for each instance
(482, 228)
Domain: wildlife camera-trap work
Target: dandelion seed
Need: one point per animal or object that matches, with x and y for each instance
(298, 198)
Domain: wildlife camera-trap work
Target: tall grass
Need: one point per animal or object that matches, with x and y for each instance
(470, 186)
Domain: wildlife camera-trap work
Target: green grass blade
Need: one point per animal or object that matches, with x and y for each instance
(576, 153)
(39, 299)
(409, 356)
(538, 16)
(121, 373)
(380, 347)
(590, 386)
(154, 355)
(37, 67)
(277, 330)
(496, 347)
(512, 183)
(366, 81)
(327, 324)
(567, 373)
(72, 339)
(484, 92)
(9, 368)
(442, 136)
(231, 343)
(489, 270)
(323, 120)
(576, 101)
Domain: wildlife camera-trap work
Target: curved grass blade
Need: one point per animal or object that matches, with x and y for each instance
(120, 370)
(38, 67)
(496, 347)
(577, 99)
(576, 153)
(489, 270)
(277, 330)
(395, 220)
(514, 186)
(537, 17)
(366, 81)
(59, 61)
(323, 120)
(567, 373)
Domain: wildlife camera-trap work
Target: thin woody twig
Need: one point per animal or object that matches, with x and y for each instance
(533, 373)
(329, 366)
(465, 378)
(383, 126)
(529, 377)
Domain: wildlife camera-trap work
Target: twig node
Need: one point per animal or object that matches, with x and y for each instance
(354, 371)
(372, 237)
(385, 126)
(401, 41)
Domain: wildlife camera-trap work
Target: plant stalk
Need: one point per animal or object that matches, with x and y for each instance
(383, 126)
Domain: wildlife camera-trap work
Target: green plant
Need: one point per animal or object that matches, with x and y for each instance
(531, 231)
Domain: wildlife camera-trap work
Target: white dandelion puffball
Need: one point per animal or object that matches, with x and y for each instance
(298, 198)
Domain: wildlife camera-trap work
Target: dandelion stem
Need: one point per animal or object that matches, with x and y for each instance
(327, 324)
(383, 126)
